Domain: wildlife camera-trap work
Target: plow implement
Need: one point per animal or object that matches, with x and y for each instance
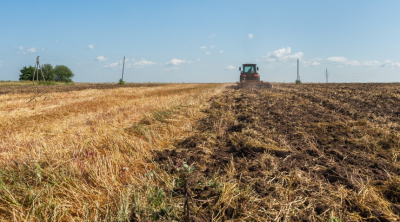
(249, 78)
(253, 84)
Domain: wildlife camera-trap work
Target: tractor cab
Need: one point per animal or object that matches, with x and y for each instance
(249, 72)
(250, 78)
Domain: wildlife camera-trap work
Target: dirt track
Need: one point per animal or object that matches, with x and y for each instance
(298, 153)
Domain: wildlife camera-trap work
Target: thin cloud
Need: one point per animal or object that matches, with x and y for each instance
(312, 62)
(127, 60)
(387, 62)
(212, 36)
(32, 50)
(282, 55)
(194, 61)
(203, 47)
(143, 63)
(139, 64)
(371, 63)
(111, 65)
(176, 62)
(208, 53)
(91, 47)
(1, 63)
(250, 36)
(101, 58)
(353, 63)
(337, 59)
(230, 67)
(343, 60)
(308, 64)
(374, 63)
(213, 46)
(221, 51)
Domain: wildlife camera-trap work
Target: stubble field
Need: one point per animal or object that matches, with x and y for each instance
(201, 152)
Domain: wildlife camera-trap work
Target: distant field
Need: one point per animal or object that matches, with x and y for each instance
(23, 83)
(35, 87)
(200, 152)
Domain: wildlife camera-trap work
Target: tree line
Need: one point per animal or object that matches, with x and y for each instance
(59, 73)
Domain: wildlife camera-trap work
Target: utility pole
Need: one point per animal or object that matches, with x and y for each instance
(37, 67)
(298, 75)
(326, 75)
(123, 67)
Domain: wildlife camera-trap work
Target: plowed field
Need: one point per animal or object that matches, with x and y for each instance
(200, 152)
(310, 152)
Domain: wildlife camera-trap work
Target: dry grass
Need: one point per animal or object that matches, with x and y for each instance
(17, 83)
(295, 153)
(26, 83)
(85, 155)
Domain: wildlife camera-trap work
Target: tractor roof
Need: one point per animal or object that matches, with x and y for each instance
(249, 64)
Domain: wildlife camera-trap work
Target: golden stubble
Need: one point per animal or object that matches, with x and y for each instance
(69, 155)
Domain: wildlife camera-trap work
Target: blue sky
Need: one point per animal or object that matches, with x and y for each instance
(203, 41)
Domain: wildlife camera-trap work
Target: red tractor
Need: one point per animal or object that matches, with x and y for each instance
(249, 78)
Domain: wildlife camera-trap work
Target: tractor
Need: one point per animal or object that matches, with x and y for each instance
(249, 78)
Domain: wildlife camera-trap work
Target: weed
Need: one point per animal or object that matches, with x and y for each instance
(179, 182)
(156, 197)
(334, 219)
(138, 129)
(162, 116)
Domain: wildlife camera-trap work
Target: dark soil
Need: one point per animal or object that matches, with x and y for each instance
(304, 152)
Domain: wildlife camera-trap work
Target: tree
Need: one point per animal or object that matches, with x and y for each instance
(63, 74)
(48, 72)
(27, 73)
